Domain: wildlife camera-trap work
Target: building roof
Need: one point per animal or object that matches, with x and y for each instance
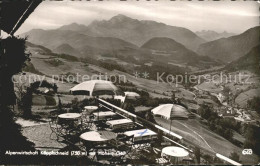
(140, 133)
(107, 113)
(119, 121)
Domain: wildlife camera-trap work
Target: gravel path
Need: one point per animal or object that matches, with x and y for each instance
(40, 135)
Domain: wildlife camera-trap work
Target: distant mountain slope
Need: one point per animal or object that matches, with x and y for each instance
(74, 27)
(66, 49)
(229, 49)
(84, 44)
(136, 31)
(166, 49)
(209, 35)
(250, 61)
(163, 44)
(41, 49)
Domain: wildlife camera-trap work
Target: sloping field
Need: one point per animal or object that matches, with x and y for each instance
(195, 132)
(209, 86)
(242, 98)
(40, 60)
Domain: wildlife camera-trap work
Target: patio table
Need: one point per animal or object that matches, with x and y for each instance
(70, 124)
(98, 136)
(175, 154)
(69, 116)
(69, 119)
(90, 109)
(87, 111)
(97, 140)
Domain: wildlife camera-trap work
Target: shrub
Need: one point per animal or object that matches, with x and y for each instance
(50, 100)
(11, 62)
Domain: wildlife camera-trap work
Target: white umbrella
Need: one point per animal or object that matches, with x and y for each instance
(171, 111)
(132, 95)
(95, 88)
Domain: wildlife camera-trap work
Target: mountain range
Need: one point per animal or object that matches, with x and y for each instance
(132, 40)
(86, 41)
(163, 44)
(66, 49)
(136, 31)
(209, 35)
(231, 48)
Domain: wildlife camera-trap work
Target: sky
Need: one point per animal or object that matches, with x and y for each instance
(230, 16)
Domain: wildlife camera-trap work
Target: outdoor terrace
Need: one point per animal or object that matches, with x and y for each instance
(111, 135)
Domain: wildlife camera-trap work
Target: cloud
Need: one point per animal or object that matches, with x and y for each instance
(197, 15)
